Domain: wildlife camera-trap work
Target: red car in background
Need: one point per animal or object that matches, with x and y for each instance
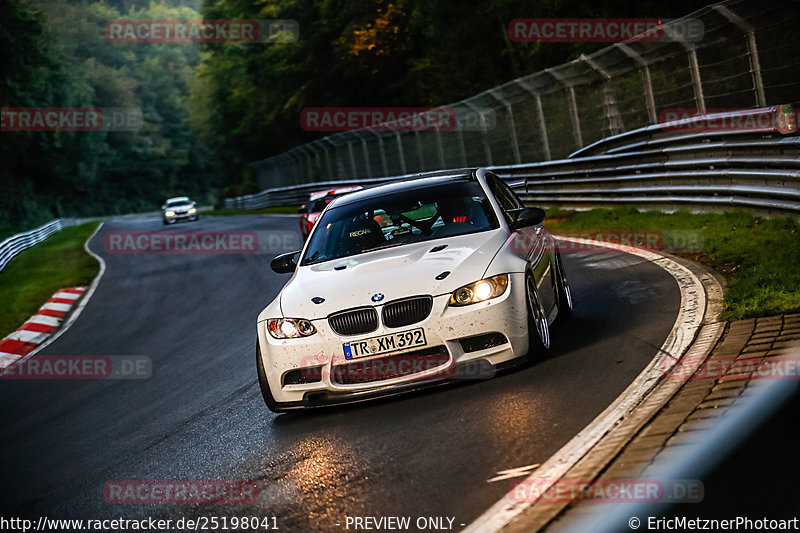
(317, 202)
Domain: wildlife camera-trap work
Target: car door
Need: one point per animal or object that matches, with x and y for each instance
(538, 246)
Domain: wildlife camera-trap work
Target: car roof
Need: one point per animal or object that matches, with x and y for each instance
(426, 179)
(178, 198)
(334, 192)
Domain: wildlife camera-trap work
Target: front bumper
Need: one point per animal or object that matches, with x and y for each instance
(181, 216)
(445, 328)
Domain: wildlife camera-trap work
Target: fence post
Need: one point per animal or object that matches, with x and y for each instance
(440, 147)
(540, 112)
(328, 162)
(514, 142)
(382, 151)
(694, 67)
(573, 106)
(610, 108)
(647, 81)
(352, 159)
(309, 171)
(420, 155)
(366, 155)
(487, 150)
(752, 51)
(400, 153)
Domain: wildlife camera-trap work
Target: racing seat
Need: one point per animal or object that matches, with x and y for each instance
(364, 233)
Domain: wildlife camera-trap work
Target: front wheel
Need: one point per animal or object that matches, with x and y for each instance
(538, 329)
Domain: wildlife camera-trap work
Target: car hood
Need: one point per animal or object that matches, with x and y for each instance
(406, 270)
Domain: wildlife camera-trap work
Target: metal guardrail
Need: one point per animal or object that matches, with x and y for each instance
(654, 165)
(13, 245)
(745, 57)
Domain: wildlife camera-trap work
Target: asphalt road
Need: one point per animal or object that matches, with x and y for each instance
(201, 417)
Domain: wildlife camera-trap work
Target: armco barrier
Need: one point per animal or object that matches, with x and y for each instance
(19, 242)
(654, 165)
(744, 57)
(15, 244)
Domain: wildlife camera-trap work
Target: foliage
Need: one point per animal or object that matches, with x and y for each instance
(54, 54)
(759, 255)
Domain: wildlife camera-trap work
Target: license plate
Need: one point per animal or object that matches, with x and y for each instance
(384, 344)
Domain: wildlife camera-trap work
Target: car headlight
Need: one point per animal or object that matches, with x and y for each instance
(480, 291)
(290, 328)
(192, 211)
(170, 213)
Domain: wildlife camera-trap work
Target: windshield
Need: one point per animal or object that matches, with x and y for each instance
(406, 217)
(178, 203)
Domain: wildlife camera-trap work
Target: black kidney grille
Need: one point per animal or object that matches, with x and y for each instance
(407, 311)
(354, 321)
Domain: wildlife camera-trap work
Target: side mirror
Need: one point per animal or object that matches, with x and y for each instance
(284, 263)
(530, 216)
(163, 207)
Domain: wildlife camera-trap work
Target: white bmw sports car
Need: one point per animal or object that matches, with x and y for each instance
(446, 276)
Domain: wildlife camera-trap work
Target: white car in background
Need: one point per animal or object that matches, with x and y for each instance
(411, 283)
(179, 208)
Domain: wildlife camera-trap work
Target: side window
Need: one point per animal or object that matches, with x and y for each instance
(509, 202)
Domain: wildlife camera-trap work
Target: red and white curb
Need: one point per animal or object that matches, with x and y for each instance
(10, 352)
(39, 327)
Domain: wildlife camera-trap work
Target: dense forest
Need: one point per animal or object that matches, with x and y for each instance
(208, 110)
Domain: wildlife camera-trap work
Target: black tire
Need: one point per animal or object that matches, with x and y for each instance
(538, 329)
(164, 220)
(266, 392)
(563, 292)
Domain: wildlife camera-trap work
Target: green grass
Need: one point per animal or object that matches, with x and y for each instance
(36, 274)
(760, 257)
(278, 210)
